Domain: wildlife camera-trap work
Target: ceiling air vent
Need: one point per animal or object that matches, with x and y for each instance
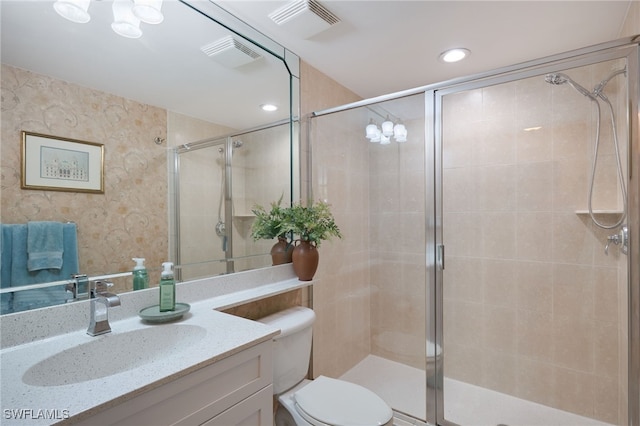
(230, 52)
(304, 18)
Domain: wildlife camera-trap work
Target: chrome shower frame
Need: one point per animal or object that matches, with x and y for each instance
(626, 48)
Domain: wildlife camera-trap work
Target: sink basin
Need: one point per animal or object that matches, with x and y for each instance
(112, 353)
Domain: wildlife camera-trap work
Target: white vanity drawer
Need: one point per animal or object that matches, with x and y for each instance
(198, 397)
(257, 410)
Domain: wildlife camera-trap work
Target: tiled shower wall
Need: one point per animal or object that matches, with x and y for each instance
(531, 301)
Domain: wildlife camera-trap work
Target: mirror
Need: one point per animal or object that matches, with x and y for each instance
(196, 79)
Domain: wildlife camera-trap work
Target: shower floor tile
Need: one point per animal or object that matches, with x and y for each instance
(403, 388)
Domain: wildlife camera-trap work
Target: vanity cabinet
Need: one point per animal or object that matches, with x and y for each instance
(236, 390)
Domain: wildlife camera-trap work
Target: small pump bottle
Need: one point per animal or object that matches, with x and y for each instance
(140, 276)
(167, 288)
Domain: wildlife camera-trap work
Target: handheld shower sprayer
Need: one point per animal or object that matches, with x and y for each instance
(598, 92)
(558, 78)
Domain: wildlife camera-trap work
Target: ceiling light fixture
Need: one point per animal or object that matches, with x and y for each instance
(73, 10)
(127, 14)
(454, 55)
(125, 23)
(148, 11)
(383, 136)
(269, 107)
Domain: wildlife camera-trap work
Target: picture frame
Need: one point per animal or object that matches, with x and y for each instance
(53, 163)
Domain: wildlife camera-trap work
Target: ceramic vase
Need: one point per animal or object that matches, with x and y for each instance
(305, 260)
(281, 252)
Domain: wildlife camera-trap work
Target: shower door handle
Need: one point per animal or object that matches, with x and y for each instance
(440, 256)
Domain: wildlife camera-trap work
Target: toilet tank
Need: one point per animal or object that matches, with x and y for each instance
(292, 347)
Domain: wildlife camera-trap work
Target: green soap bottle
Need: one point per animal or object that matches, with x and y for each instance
(140, 276)
(167, 288)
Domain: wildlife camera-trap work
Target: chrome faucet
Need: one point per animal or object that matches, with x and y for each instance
(100, 302)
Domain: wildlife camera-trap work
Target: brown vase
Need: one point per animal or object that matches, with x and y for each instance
(281, 252)
(305, 260)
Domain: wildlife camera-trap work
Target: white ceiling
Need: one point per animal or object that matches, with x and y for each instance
(381, 47)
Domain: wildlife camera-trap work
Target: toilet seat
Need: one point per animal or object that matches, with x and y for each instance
(327, 401)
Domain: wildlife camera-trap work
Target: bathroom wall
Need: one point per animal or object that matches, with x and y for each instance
(130, 217)
(531, 301)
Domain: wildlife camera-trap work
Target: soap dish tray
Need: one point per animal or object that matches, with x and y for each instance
(153, 314)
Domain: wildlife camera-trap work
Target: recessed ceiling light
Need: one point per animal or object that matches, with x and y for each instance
(268, 107)
(454, 55)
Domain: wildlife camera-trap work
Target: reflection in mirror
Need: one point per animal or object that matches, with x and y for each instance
(142, 99)
(218, 182)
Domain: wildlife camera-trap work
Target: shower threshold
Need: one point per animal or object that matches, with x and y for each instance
(403, 388)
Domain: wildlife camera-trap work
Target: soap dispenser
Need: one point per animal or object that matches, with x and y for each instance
(167, 288)
(140, 276)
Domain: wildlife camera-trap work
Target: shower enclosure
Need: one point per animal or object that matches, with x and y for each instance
(218, 181)
(490, 269)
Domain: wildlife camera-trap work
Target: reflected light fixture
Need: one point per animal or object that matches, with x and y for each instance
(269, 107)
(454, 55)
(148, 11)
(125, 23)
(73, 10)
(127, 14)
(388, 129)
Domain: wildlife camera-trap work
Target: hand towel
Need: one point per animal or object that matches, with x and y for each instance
(44, 245)
(20, 275)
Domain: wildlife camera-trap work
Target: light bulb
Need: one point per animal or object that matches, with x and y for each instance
(371, 130)
(376, 136)
(385, 140)
(125, 22)
(73, 10)
(148, 11)
(400, 132)
(387, 127)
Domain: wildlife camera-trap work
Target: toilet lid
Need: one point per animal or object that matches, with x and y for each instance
(336, 402)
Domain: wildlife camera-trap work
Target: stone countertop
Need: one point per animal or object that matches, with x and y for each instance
(223, 335)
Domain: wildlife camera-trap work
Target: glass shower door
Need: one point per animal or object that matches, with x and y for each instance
(534, 311)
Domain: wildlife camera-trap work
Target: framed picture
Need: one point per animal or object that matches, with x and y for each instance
(52, 163)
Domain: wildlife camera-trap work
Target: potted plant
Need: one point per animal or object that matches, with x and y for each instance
(271, 224)
(313, 224)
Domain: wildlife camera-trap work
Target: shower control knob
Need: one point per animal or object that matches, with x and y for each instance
(620, 238)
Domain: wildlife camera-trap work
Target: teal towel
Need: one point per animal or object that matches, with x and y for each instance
(44, 245)
(6, 253)
(20, 275)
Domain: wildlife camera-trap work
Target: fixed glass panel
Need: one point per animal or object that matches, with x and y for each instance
(371, 306)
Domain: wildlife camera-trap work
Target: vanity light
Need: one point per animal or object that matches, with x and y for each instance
(73, 10)
(125, 23)
(387, 127)
(375, 135)
(269, 107)
(454, 55)
(148, 11)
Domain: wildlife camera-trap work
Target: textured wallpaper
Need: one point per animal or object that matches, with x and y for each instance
(130, 218)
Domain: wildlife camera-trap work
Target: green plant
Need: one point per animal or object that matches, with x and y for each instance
(313, 223)
(269, 224)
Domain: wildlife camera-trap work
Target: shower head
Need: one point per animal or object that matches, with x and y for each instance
(238, 143)
(559, 78)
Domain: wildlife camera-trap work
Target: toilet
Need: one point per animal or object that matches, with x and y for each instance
(323, 401)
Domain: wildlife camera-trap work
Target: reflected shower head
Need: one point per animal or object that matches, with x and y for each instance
(238, 143)
(559, 78)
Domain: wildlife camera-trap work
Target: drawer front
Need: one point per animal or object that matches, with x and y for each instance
(257, 410)
(199, 396)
